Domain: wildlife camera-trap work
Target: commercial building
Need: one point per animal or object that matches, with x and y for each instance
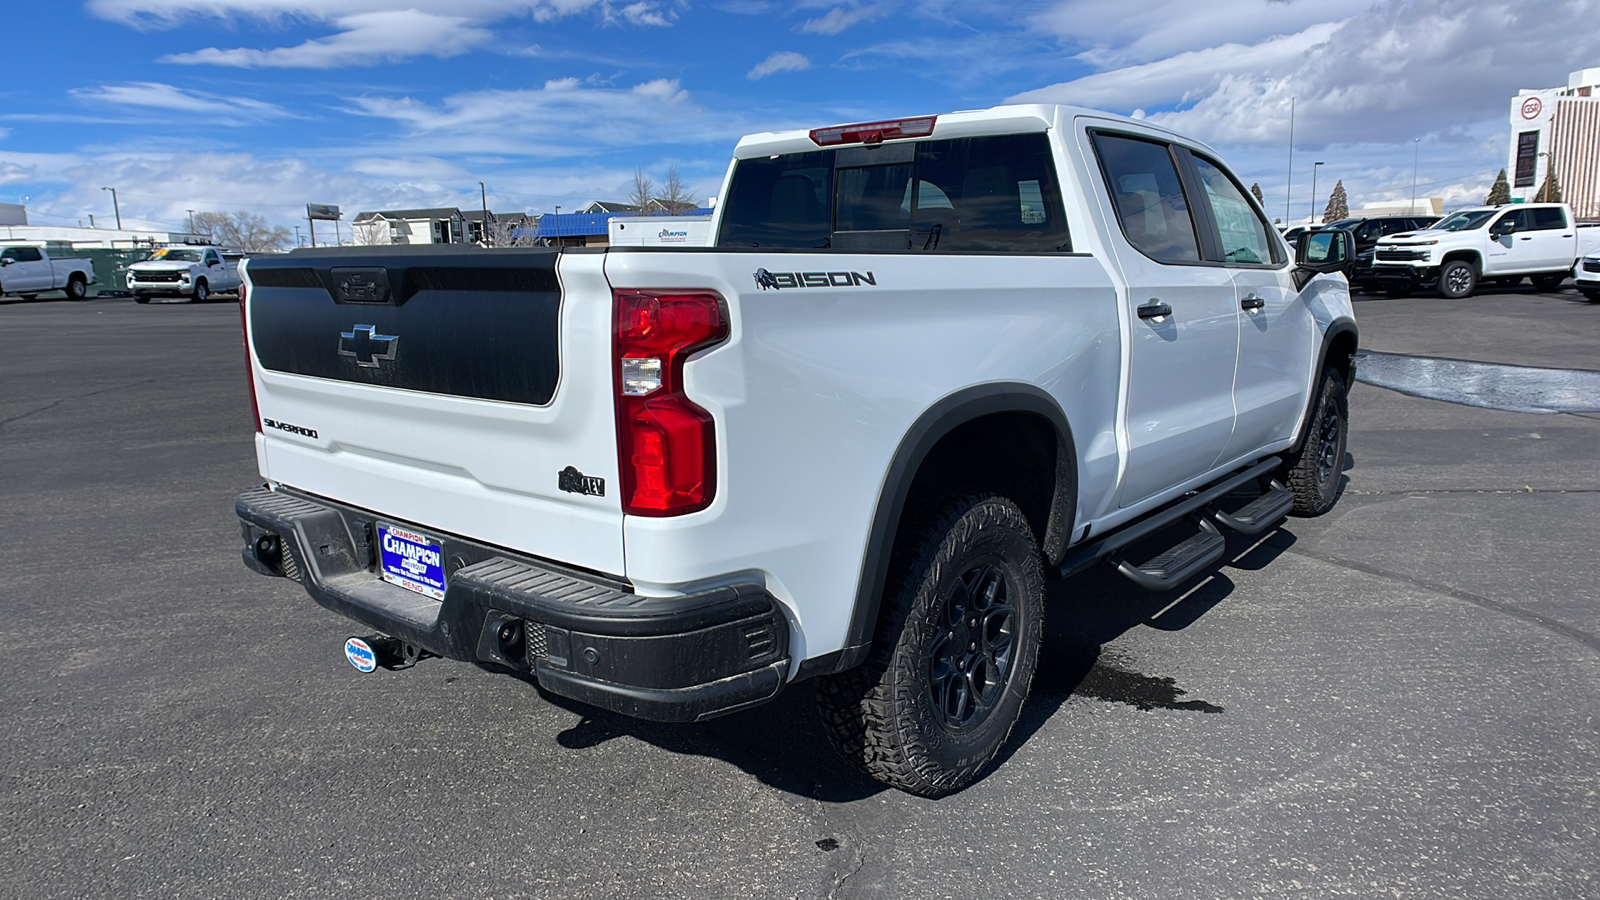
(1559, 129)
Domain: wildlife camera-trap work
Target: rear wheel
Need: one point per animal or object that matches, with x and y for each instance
(953, 656)
(202, 291)
(1313, 473)
(1548, 282)
(77, 288)
(1458, 279)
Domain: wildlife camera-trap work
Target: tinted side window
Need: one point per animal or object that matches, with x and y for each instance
(29, 254)
(1244, 235)
(1548, 218)
(1148, 197)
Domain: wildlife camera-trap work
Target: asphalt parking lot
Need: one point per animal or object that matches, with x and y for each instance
(1398, 699)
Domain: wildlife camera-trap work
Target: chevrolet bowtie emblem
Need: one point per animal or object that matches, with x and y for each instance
(367, 346)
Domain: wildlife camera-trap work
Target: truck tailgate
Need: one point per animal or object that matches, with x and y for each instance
(446, 388)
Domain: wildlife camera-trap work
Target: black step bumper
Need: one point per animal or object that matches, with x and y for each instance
(670, 659)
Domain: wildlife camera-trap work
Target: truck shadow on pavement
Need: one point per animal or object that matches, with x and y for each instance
(782, 743)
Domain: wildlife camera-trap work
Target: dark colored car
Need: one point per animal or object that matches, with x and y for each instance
(1367, 231)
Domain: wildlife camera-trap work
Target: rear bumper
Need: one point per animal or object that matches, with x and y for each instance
(673, 659)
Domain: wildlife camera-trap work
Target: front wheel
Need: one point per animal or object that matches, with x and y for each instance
(1313, 472)
(1591, 296)
(1548, 282)
(202, 291)
(953, 656)
(1458, 279)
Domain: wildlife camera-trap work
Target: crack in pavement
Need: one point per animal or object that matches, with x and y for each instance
(55, 403)
(1533, 618)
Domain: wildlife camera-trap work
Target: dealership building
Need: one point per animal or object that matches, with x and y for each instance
(1560, 128)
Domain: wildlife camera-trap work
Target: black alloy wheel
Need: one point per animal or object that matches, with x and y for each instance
(971, 662)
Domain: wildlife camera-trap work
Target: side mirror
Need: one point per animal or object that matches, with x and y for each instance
(1319, 252)
(7, 261)
(1505, 226)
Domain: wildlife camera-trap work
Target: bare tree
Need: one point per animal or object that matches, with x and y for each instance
(373, 232)
(514, 231)
(242, 230)
(675, 195)
(643, 190)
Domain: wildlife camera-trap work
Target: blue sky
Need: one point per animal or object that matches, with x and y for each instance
(369, 104)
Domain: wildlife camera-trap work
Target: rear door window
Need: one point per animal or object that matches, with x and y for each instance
(987, 194)
(1148, 197)
(1548, 218)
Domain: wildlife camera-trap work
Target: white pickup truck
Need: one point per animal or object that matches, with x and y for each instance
(1586, 276)
(28, 271)
(196, 272)
(1483, 243)
(926, 363)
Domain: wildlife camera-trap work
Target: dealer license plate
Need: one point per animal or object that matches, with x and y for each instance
(411, 561)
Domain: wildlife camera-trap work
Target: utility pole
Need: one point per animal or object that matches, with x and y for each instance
(1416, 149)
(115, 206)
(1313, 219)
(558, 226)
(1288, 187)
(191, 220)
(297, 235)
(484, 234)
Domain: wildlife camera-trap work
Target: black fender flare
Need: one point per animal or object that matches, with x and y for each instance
(1344, 325)
(932, 426)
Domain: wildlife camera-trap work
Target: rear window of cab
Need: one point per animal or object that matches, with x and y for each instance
(994, 194)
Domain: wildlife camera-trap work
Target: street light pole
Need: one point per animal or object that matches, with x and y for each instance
(1416, 149)
(297, 235)
(115, 206)
(484, 193)
(1288, 186)
(558, 226)
(1313, 220)
(191, 220)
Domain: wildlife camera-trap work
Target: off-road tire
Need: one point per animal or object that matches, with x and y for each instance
(77, 287)
(202, 291)
(899, 716)
(1314, 472)
(1458, 279)
(1548, 282)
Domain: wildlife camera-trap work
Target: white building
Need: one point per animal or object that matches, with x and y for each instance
(88, 238)
(1560, 127)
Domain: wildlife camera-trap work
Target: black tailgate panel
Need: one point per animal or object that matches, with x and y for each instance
(445, 319)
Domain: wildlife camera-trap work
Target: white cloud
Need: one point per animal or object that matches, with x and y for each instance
(839, 18)
(647, 13)
(365, 39)
(154, 95)
(783, 61)
(564, 118)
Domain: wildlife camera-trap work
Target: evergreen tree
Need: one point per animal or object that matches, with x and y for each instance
(1499, 192)
(1338, 204)
(1255, 190)
(1550, 191)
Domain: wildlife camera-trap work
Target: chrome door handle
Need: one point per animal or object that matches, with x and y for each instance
(1155, 309)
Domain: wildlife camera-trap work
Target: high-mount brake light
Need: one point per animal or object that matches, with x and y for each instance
(249, 365)
(666, 445)
(873, 132)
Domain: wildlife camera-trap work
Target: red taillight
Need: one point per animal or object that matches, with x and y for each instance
(249, 367)
(873, 132)
(666, 445)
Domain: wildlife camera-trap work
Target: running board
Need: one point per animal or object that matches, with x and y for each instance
(1259, 514)
(1181, 563)
(1198, 547)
